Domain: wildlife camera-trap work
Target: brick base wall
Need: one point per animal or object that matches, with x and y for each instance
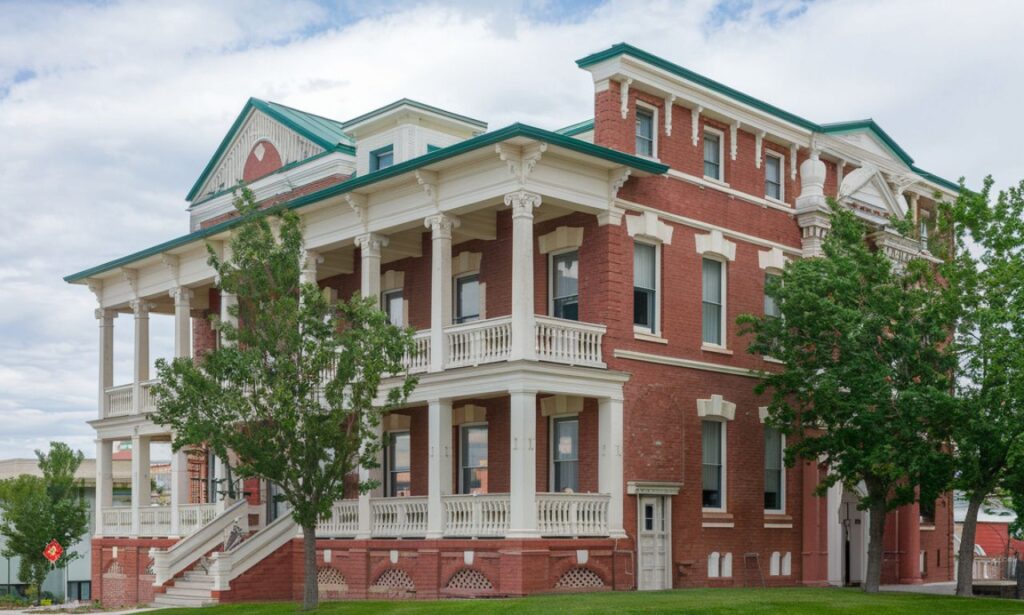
(121, 574)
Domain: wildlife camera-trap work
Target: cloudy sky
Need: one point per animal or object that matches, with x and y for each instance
(110, 110)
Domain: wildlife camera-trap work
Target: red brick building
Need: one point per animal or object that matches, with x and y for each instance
(585, 418)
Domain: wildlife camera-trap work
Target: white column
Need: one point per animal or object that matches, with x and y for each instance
(523, 336)
(106, 358)
(104, 481)
(310, 260)
(179, 488)
(220, 475)
(182, 321)
(141, 371)
(523, 465)
(440, 226)
(369, 245)
(609, 465)
(227, 301)
(836, 534)
(366, 474)
(140, 479)
(439, 473)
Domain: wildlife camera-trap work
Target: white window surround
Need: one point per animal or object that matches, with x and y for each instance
(396, 422)
(780, 564)
(465, 264)
(716, 407)
(715, 244)
(654, 128)
(481, 294)
(782, 176)
(773, 260)
(551, 447)
(647, 226)
(562, 239)
(462, 458)
(721, 155)
(561, 405)
(551, 275)
(639, 331)
(719, 565)
(723, 485)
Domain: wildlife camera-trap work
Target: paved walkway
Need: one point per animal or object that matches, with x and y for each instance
(947, 588)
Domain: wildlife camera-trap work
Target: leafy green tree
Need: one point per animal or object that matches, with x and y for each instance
(865, 384)
(986, 284)
(36, 510)
(292, 392)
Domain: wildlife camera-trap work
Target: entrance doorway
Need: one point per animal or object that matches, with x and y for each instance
(655, 550)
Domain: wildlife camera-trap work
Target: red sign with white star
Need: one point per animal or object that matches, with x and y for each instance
(53, 551)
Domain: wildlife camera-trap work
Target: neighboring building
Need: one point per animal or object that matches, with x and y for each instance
(993, 543)
(79, 573)
(585, 417)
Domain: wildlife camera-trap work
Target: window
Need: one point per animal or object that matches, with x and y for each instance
(927, 509)
(712, 450)
(645, 285)
(565, 284)
(773, 177)
(712, 154)
(382, 158)
(771, 308)
(923, 232)
(644, 132)
(773, 473)
(467, 298)
(394, 306)
(398, 458)
(565, 454)
(473, 462)
(713, 314)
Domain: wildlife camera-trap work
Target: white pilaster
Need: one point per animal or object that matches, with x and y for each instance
(141, 368)
(106, 358)
(523, 465)
(836, 534)
(104, 481)
(370, 245)
(140, 479)
(182, 321)
(440, 226)
(439, 473)
(609, 465)
(179, 488)
(523, 336)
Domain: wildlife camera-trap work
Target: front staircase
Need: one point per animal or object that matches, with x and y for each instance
(194, 588)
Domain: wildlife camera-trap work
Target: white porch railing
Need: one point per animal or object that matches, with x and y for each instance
(119, 400)
(191, 517)
(182, 554)
(476, 515)
(117, 521)
(572, 514)
(344, 521)
(478, 342)
(155, 521)
(419, 359)
(398, 517)
(568, 341)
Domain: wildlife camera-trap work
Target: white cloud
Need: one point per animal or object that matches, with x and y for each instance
(109, 111)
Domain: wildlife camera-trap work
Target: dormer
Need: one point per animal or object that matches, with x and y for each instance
(404, 130)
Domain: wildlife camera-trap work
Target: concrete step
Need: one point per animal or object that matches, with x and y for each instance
(197, 577)
(170, 600)
(188, 592)
(194, 584)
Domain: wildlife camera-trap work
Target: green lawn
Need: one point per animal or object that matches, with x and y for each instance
(789, 601)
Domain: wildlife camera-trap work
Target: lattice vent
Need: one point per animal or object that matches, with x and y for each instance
(470, 579)
(393, 582)
(331, 583)
(579, 578)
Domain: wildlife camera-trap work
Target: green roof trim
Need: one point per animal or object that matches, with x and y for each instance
(838, 128)
(578, 128)
(322, 131)
(689, 75)
(484, 140)
(418, 105)
(945, 183)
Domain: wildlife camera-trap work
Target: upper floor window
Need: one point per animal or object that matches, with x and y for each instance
(713, 154)
(644, 132)
(713, 462)
(473, 462)
(773, 177)
(773, 472)
(565, 454)
(771, 308)
(394, 307)
(645, 285)
(467, 298)
(713, 303)
(382, 158)
(565, 284)
(398, 464)
(923, 232)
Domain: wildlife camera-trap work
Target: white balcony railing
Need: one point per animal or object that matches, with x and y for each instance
(398, 517)
(191, 517)
(344, 520)
(479, 342)
(476, 515)
(572, 514)
(568, 341)
(117, 521)
(155, 521)
(418, 360)
(121, 399)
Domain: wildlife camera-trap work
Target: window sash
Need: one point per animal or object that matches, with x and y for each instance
(565, 285)
(772, 469)
(399, 463)
(711, 460)
(473, 458)
(644, 132)
(645, 285)
(394, 306)
(467, 298)
(713, 156)
(382, 158)
(771, 307)
(773, 177)
(565, 453)
(711, 310)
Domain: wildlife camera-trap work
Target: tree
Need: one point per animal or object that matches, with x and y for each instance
(37, 510)
(292, 392)
(865, 382)
(985, 282)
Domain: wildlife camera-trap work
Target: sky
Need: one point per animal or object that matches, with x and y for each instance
(110, 110)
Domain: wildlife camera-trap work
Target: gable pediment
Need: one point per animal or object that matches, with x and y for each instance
(869, 143)
(868, 194)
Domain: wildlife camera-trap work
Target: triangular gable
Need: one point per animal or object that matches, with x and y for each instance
(283, 135)
(870, 196)
(869, 136)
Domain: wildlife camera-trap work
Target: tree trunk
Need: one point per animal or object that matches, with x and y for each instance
(876, 519)
(310, 595)
(965, 561)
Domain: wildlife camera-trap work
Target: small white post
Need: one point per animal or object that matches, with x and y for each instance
(439, 473)
(523, 465)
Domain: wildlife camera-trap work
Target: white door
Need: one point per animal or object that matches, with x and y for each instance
(654, 546)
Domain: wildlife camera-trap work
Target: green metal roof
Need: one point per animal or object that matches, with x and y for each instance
(484, 140)
(326, 133)
(578, 128)
(414, 103)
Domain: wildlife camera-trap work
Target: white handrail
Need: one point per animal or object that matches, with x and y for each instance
(569, 341)
(169, 562)
(476, 515)
(479, 342)
(573, 514)
(228, 565)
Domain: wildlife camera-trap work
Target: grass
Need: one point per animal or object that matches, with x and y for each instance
(788, 601)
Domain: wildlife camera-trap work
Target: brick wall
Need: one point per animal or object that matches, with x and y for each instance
(120, 570)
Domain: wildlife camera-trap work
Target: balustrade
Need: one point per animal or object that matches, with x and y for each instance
(479, 342)
(572, 514)
(568, 341)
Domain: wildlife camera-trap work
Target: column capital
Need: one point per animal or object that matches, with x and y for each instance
(103, 315)
(309, 260)
(441, 225)
(182, 296)
(523, 203)
(141, 308)
(371, 243)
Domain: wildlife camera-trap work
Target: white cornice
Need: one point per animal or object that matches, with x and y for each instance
(680, 362)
